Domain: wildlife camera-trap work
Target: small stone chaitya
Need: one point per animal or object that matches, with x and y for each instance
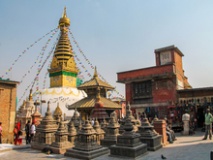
(112, 131)
(61, 140)
(128, 144)
(45, 131)
(86, 146)
(149, 135)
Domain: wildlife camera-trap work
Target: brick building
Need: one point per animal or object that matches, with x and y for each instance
(154, 90)
(8, 108)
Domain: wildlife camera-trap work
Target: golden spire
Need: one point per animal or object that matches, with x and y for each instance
(31, 95)
(95, 73)
(64, 20)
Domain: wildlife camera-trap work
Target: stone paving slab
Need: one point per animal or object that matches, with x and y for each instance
(185, 148)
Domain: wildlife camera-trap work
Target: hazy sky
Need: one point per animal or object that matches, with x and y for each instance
(115, 35)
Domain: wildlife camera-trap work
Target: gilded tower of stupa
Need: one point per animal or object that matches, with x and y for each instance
(63, 73)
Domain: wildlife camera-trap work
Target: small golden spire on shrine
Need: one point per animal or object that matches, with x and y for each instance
(95, 73)
(31, 95)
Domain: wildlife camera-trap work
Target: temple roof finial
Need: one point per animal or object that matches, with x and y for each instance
(65, 13)
(95, 73)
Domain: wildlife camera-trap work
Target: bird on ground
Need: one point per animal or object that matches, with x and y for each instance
(163, 157)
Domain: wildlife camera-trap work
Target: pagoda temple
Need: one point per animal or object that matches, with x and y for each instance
(96, 104)
(63, 74)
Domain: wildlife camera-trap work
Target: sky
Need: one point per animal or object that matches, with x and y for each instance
(114, 35)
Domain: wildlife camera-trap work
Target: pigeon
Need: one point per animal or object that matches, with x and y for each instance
(163, 157)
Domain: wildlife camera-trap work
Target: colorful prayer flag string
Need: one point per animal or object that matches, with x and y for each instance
(89, 63)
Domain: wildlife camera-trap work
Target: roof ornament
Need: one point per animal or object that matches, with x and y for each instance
(95, 73)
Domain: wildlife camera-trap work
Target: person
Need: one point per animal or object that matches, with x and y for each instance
(16, 135)
(208, 125)
(0, 133)
(170, 133)
(27, 131)
(32, 131)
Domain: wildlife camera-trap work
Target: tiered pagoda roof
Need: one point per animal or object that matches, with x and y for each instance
(96, 90)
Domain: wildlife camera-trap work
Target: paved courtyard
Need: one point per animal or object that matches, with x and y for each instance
(185, 148)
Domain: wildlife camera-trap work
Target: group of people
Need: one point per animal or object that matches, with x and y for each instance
(30, 130)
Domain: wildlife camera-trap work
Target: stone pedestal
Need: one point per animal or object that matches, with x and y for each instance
(86, 146)
(149, 136)
(185, 119)
(128, 144)
(112, 132)
(61, 140)
(160, 127)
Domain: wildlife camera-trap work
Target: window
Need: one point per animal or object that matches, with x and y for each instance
(142, 89)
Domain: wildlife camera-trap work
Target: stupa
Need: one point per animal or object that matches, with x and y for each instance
(99, 130)
(149, 135)
(128, 143)
(112, 131)
(26, 110)
(58, 114)
(45, 132)
(86, 146)
(136, 122)
(72, 133)
(61, 140)
(63, 74)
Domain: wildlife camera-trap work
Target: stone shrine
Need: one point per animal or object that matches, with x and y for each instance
(86, 146)
(112, 131)
(72, 133)
(45, 132)
(61, 140)
(100, 132)
(104, 125)
(58, 114)
(136, 122)
(128, 144)
(149, 135)
(26, 110)
(76, 119)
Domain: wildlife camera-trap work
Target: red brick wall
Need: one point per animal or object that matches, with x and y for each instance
(164, 91)
(123, 76)
(7, 110)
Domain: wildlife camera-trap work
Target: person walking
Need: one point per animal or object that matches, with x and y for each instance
(27, 131)
(32, 131)
(208, 124)
(0, 133)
